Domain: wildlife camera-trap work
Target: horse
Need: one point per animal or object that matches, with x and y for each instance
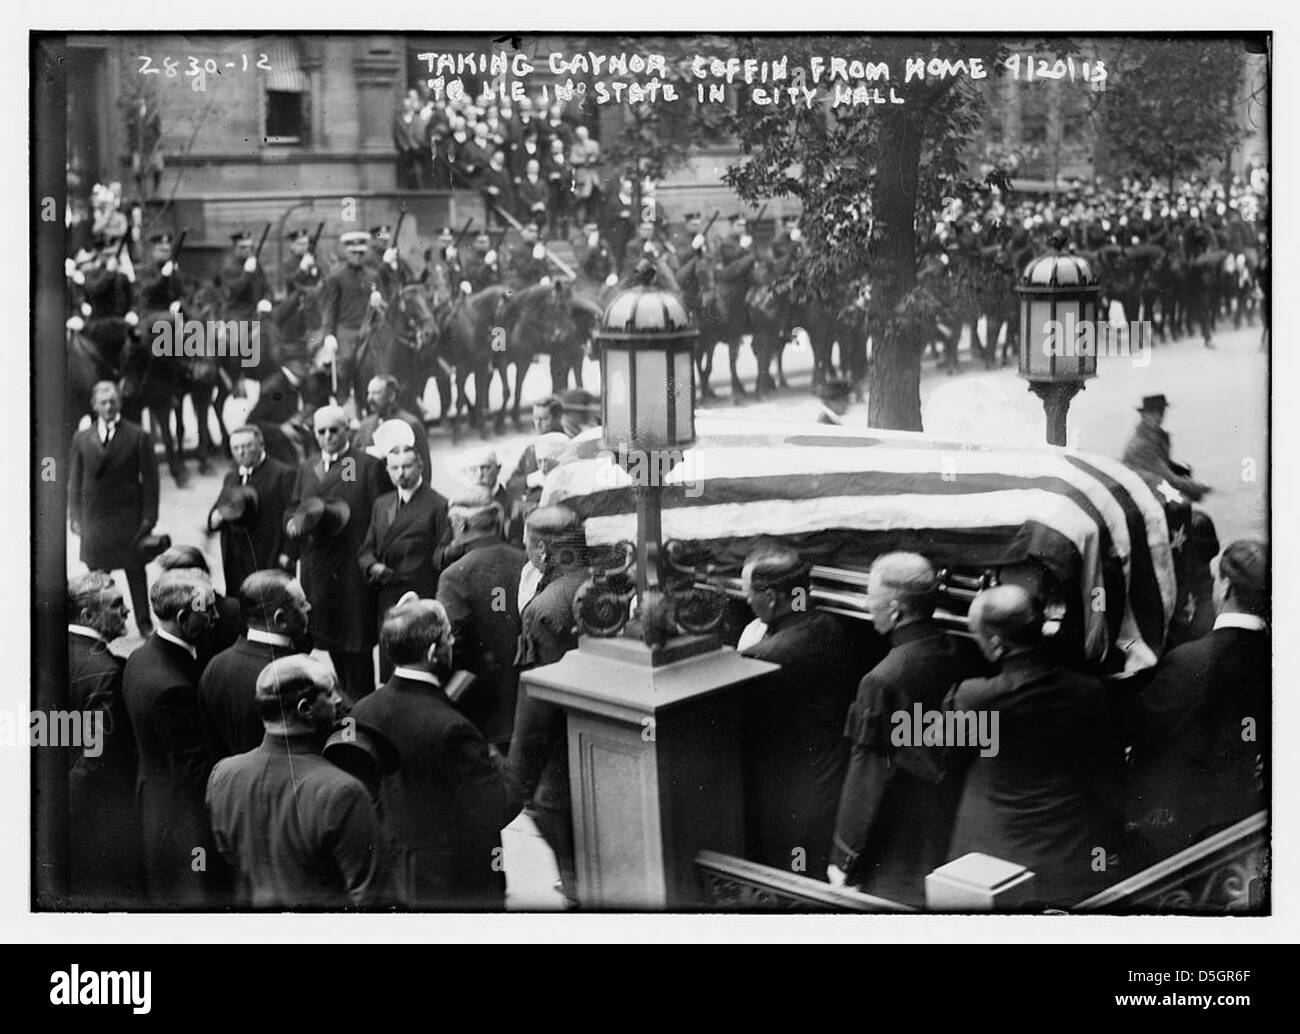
(533, 320)
(400, 338)
(157, 384)
(211, 380)
(764, 317)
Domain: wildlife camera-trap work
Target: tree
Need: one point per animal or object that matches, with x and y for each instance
(871, 180)
(1171, 105)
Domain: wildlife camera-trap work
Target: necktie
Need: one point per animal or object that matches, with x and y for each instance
(107, 435)
(328, 463)
(243, 477)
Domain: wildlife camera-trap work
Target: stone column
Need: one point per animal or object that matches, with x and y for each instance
(377, 69)
(654, 763)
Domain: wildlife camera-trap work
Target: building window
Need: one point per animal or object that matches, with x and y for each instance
(287, 95)
(286, 121)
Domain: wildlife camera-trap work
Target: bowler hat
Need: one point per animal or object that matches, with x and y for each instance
(148, 546)
(1153, 404)
(237, 503)
(323, 517)
(361, 750)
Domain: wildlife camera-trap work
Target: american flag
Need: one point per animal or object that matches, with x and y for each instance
(844, 495)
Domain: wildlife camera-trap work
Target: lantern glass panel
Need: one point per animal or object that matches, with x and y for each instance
(1088, 313)
(652, 430)
(617, 381)
(1041, 364)
(684, 396)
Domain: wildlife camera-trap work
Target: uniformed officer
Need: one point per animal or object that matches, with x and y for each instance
(482, 265)
(527, 258)
(161, 286)
(391, 271)
(245, 293)
(594, 256)
(108, 293)
(346, 296)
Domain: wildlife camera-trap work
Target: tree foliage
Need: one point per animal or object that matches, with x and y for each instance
(871, 180)
(1171, 105)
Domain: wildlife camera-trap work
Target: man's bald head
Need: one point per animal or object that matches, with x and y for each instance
(901, 588)
(1004, 618)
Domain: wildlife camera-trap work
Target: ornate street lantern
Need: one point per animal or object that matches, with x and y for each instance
(647, 364)
(1059, 332)
(647, 367)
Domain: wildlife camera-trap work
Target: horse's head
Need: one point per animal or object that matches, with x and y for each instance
(559, 306)
(412, 317)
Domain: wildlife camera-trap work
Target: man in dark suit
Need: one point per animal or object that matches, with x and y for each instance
(445, 806)
(897, 806)
(793, 748)
(479, 594)
(342, 603)
(539, 752)
(1038, 793)
(408, 531)
(382, 400)
(298, 831)
(252, 525)
(159, 686)
(1200, 731)
(104, 851)
(113, 494)
(1149, 450)
(275, 610)
(227, 624)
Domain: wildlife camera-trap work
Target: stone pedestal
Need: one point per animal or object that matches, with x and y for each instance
(654, 763)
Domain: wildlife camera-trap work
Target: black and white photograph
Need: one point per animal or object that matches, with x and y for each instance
(723, 473)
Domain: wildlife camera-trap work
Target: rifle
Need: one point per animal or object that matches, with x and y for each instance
(460, 237)
(315, 238)
(261, 241)
(180, 246)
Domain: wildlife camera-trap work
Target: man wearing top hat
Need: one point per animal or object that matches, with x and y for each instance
(333, 495)
(1148, 451)
(346, 297)
(249, 512)
(113, 495)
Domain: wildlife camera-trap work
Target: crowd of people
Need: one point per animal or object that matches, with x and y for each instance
(341, 723)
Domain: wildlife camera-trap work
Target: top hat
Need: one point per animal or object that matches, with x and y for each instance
(322, 517)
(580, 400)
(148, 546)
(1153, 404)
(237, 504)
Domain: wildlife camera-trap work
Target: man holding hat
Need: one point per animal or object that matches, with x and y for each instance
(346, 297)
(1148, 451)
(1201, 731)
(113, 495)
(333, 496)
(299, 831)
(249, 512)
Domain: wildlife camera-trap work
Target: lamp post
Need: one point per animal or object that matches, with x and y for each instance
(652, 701)
(1058, 332)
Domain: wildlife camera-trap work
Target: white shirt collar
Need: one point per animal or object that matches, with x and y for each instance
(249, 471)
(162, 633)
(256, 635)
(109, 425)
(1232, 619)
(416, 675)
(85, 630)
(405, 493)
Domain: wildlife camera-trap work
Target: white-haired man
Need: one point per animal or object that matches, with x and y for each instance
(897, 806)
